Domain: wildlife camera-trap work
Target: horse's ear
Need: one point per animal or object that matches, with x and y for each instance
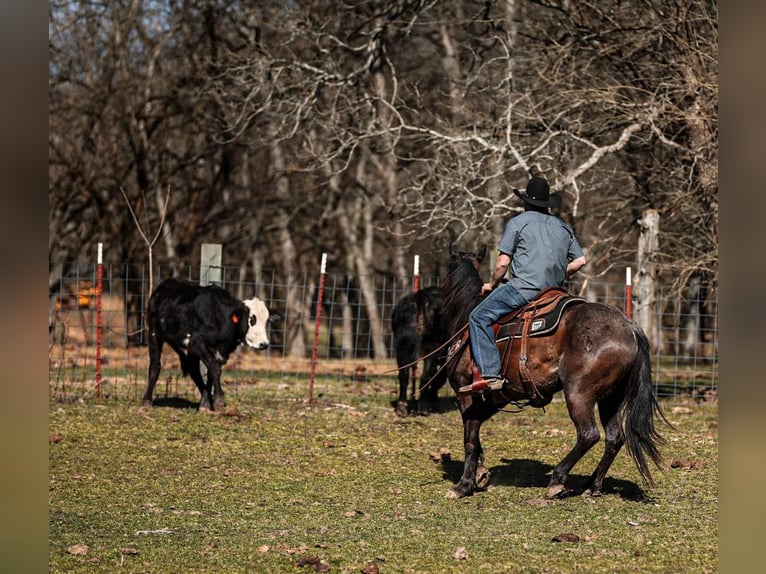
(453, 252)
(274, 316)
(482, 253)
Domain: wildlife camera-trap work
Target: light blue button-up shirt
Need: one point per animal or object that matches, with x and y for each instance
(540, 246)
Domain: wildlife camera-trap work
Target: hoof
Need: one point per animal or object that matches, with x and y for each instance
(401, 409)
(204, 409)
(482, 477)
(460, 491)
(590, 493)
(555, 491)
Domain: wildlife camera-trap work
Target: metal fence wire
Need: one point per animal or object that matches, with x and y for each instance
(347, 342)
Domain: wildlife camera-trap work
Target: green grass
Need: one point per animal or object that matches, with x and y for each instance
(269, 484)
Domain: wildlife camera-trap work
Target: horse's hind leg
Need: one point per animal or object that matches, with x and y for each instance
(609, 413)
(582, 414)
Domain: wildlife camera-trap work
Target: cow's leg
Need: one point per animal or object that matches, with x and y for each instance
(214, 382)
(194, 364)
(155, 364)
(214, 377)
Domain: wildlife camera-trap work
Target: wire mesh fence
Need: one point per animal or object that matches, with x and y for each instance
(353, 343)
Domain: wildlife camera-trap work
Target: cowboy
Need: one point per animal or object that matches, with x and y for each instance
(542, 251)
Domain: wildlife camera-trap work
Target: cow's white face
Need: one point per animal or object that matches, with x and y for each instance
(256, 336)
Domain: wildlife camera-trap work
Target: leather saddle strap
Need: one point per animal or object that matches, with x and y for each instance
(506, 359)
(524, 375)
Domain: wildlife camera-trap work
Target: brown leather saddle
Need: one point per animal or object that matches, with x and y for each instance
(538, 318)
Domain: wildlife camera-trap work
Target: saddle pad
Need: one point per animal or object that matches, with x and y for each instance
(542, 323)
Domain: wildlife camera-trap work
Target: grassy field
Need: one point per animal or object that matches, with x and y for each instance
(283, 486)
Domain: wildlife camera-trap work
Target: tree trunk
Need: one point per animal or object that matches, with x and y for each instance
(646, 307)
(692, 323)
(296, 310)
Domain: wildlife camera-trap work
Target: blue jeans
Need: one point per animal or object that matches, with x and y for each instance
(496, 304)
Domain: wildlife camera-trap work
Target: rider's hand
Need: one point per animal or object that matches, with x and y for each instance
(486, 288)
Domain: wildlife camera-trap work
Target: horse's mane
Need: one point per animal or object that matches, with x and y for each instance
(462, 292)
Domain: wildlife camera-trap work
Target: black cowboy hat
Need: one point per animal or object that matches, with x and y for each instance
(539, 194)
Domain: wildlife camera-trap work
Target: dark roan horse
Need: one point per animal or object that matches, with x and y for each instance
(596, 355)
(418, 330)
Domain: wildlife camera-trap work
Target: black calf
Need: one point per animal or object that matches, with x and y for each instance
(203, 325)
(417, 327)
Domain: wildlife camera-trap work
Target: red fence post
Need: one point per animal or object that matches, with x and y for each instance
(99, 275)
(416, 274)
(628, 294)
(316, 329)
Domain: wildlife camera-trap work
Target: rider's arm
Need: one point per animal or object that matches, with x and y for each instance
(501, 267)
(575, 265)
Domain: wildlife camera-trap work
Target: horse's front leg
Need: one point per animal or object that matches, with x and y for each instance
(482, 472)
(473, 455)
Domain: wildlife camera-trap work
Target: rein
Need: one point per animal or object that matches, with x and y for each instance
(518, 406)
(449, 360)
(432, 353)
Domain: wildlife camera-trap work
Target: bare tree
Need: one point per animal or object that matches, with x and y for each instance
(375, 130)
(144, 231)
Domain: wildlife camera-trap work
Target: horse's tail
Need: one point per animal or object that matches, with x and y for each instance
(640, 407)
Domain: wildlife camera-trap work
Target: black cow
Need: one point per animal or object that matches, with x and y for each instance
(204, 325)
(418, 330)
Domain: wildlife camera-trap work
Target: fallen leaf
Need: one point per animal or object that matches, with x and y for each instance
(688, 464)
(370, 568)
(540, 501)
(315, 563)
(353, 513)
(444, 455)
(263, 549)
(130, 551)
(681, 411)
(460, 554)
(566, 537)
(78, 549)
(300, 550)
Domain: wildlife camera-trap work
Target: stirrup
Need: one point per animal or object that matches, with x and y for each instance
(489, 384)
